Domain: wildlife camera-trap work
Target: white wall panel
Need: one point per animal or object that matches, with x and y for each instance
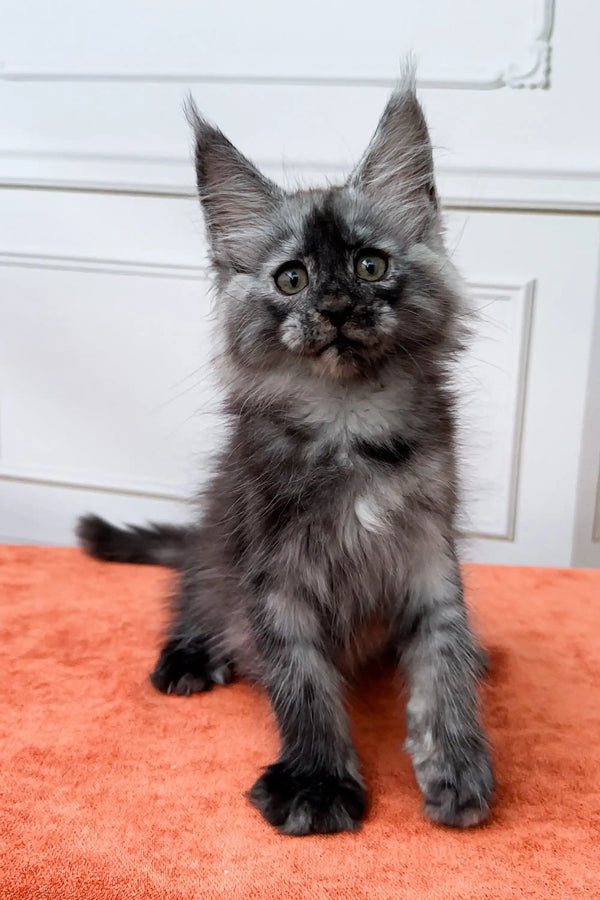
(36, 512)
(74, 113)
(104, 384)
(151, 231)
(559, 255)
(586, 538)
(492, 386)
(103, 297)
(104, 377)
(464, 43)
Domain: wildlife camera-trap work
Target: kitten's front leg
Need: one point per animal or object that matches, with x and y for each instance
(443, 662)
(314, 787)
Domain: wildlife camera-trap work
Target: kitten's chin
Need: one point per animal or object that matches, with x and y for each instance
(338, 356)
(339, 363)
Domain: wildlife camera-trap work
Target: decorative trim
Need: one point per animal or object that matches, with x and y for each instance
(103, 266)
(533, 67)
(93, 481)
(552, 190)
(527, 292)
(530, 69)
(461, 187)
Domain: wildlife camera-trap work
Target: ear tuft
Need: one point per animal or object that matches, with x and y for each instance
(236, 198)
(397, 167)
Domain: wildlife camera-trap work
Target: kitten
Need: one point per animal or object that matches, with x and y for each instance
(327, 535)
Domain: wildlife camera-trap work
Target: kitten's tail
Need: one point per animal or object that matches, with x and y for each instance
(158, 545)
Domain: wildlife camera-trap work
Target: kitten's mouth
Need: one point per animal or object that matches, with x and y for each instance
(345, 346)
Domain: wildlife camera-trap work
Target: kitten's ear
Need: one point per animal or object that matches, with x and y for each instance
(397, 167)
(236, 198)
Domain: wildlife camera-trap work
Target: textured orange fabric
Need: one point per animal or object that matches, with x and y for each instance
(111, 790)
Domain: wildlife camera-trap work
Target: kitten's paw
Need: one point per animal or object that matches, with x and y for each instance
(459, 793)
(188, 669)
(318, 803)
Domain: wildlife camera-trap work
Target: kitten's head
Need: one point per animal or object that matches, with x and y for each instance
(340, 280)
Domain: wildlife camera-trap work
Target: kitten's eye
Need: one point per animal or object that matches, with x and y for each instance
(370, 266)
(291, 278)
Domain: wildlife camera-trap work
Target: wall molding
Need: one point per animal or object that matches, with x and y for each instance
(491, 291)
(461, 186)
(596, 525)
(566, 189)
(93, 481)
(103, 266)
(482, 290)
(532, 69)
(529, 67)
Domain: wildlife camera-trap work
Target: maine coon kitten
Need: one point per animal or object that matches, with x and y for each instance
(327, 535)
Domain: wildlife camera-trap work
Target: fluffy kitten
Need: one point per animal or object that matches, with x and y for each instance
(327, 534)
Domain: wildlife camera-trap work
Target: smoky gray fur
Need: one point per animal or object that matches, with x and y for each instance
(327, 534)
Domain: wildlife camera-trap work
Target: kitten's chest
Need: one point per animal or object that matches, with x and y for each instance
(354, 469)
(350, 533)
(335, 505)
(341, 419)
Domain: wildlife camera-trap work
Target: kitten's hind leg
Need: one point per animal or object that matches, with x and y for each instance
(188, 667)
(193, 657)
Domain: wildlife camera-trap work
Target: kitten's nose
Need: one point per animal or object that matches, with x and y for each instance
(336, 307)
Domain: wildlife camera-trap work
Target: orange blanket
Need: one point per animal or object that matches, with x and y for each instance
(111, 790)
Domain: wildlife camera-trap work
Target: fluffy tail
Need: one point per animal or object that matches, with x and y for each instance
(158, 545)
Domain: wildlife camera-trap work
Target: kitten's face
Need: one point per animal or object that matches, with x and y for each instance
(338, 280)
(335, 286)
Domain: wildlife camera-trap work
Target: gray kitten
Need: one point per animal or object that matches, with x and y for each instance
(327, 534)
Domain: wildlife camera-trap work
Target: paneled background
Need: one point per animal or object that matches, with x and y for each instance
(106, 396)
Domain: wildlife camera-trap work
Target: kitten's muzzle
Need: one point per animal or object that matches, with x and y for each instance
(336, 308)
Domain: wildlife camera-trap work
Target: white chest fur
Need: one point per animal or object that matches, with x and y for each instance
(343, 413)
(370, 514)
